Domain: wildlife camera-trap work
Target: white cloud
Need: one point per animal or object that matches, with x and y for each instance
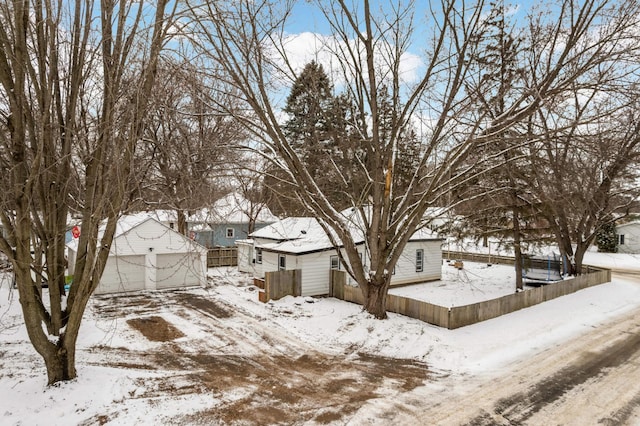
(330, 51)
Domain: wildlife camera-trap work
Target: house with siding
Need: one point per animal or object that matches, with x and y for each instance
(301, 243)
(231, 218)
(628, 237)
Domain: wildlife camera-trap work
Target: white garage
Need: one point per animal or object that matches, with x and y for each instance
(148, 255)
(125, 273)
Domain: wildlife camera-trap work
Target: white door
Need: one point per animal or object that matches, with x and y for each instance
(178, 270)
(122, 273)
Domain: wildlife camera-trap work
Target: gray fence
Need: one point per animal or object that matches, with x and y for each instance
(461, 316)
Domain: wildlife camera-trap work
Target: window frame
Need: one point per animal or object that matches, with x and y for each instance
(258, 252)
(334, 258)
(231, 234)
(282, 262)
(419, 260)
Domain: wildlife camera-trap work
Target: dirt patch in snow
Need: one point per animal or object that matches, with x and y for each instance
(155, 329)
(207, 306)
(285, 382)
(273, 389)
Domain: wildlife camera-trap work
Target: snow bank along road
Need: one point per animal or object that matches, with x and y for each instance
(591, 379)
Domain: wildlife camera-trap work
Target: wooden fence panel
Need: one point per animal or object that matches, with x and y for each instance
(279, 284)
(338, 279)
(460, 316)
(222, 256)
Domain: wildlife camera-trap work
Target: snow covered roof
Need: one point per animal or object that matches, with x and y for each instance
(305, 234)
(235, 208)
(124, 225)
(632, 223)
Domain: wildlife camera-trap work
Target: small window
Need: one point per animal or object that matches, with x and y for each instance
(282, 262)
(621, 239)
(171, 225)
(419, 260)
(258, 255)
(335, 263)
(230, 233)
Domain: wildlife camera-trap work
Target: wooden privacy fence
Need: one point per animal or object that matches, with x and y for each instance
(222, 256)
(279, 284)
(477, 257)
(461, 316)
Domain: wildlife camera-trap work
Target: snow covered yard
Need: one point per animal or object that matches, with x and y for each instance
(475, 282)
(297, 360)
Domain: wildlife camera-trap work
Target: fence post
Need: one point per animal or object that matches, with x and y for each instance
(296, 279)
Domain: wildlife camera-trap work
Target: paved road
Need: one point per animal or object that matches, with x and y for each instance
(593, 379)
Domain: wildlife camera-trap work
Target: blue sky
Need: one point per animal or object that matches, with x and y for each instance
(306, 16)
(308, 30)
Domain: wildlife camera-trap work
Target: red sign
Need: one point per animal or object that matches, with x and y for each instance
(75, 231)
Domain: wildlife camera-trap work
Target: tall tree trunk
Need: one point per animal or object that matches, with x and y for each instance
(581, 249)
(375, 297)
(182, 222)
(517, 247)
(61, 364)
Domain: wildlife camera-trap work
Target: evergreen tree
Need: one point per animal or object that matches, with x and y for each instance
(310, 105)
(499, 73)
(322, 129)
(607, 238)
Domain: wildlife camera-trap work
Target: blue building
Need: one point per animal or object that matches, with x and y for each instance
(231, 218)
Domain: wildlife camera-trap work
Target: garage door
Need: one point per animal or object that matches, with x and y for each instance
(122, 273)
(178, 270)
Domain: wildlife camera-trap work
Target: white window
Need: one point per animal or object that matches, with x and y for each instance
(258, 255)
(335, 262)
(621, 239)
(282, 262)
(230, 233)
(419, 260)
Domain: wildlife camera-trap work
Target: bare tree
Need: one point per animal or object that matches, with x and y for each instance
(583, 177)
(74, 95)
(188, 148)
(367, 49)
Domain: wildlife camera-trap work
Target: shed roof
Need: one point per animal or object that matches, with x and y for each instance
(131, 221)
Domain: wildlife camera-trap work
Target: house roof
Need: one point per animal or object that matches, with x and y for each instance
(632, 223)
(235, 208)
(300, 235)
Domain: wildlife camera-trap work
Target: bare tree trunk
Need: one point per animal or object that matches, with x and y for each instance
(182, 222)
(46, 54)
(517, 248)
(375, 296)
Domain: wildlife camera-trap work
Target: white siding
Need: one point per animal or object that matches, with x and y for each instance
(405, 271)
(631, 234)
(316, 266)
(246, 257)
(122, 273)
(151, 236)
(151, 256)
(269, 262)
(178, 270)
(316, 269)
